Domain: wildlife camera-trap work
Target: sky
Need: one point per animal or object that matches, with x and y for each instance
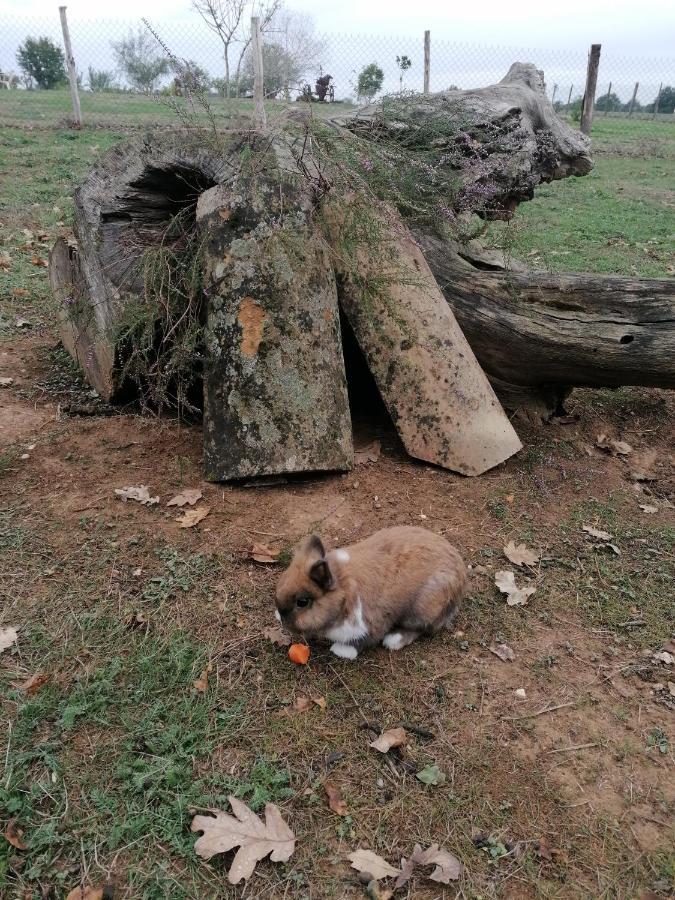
(637, 37)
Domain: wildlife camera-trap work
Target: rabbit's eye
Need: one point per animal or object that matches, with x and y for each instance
(303, 602)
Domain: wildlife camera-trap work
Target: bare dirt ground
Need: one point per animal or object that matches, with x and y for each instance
(567, 791)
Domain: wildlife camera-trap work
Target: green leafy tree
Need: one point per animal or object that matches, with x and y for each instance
(369, 81)
(140, 62)
(404, 63)
(100, 80)
(666, 101)
(608, 102)
(42, 61)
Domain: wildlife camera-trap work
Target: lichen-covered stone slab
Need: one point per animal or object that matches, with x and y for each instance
(439, 398)
(275, 391)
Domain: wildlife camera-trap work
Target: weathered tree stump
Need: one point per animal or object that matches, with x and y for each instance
(275, 391)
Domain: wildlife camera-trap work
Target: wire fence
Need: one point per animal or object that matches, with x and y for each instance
(636, 88)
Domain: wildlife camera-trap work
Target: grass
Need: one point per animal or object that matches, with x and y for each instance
(103, 766)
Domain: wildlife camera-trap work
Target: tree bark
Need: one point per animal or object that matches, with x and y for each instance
(554, 332)
(275, 391)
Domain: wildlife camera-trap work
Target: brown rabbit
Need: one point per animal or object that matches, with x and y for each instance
(391, 588)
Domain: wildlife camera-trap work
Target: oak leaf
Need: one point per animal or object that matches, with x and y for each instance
(504, 652)
(192, 517)
(515, 596)
(597, 533)
(277, 635)
(448, 867)
(394, 737)
(261, 553)
(187, 497)
(255, 839)
(520, 555)
(335, 799)
(376, 866)
(139, 493)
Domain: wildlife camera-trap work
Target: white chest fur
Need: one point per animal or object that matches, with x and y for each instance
(351, 630)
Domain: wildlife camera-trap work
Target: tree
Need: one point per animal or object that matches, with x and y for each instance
(369, 82)
(139, 61)
(43, 61)
(609, 103)
(101, 80)
(404, 63)
(666, 101)
(265, 11)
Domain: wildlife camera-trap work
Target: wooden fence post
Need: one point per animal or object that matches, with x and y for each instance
(609, 91)
(591, 84)
(569, 98)
(656, 102)
(72, 71)
(258, 78)
(427, 60)
(555, 91)
(632, 99)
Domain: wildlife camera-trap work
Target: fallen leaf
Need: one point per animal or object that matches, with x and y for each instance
(8, 636)
(188, 497)
(407, 868)
(369, 453)
(277, 635)
(431, 775)
(140, 494)
(192, 517)
(515, 596)
(320, 702)
(504, 652)
(596, 533)
(519, 555)
(394, 737)
(22, 323)
(335, 799)
(14, 835)
(39, 261)
(6, 382)
(647, 508)
(33, 684)
(20, 292)
(261, 553)
(520, 694)
(86, 893)
(374, 865)
(664, 657)
(448, 867)
(202, 682)
(255, 839)
(5, 260)
(616, 448)
(302, 703)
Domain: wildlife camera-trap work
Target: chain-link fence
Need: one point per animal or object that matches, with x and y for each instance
(113, 92)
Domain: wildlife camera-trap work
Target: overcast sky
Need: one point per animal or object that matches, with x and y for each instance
(630, 28)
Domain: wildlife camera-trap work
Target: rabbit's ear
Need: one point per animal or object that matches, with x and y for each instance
(314, 544)
(321, 574)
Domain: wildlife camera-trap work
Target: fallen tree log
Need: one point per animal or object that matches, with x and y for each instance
(549, 333)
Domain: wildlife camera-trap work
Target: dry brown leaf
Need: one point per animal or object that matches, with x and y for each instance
(448, 867)
(6, 382)
(14, 835)
(202, 683)
(320, 702)
(335, 799)
(596, 533)
(40, 261)
(8, 636)
(407, 868)
(33, 684)
(192, 517)
(255, 839)
(261, 553)
(648, 508)
(616, 448)
(504, 652)
(519, 555)
(20, 292)
(302, 703)
(394, 737)
(139, 493)
(374, 865)
(515, 596)
(5, 260)
(86, 893)
(369, 453)
(277, 635)
(186, 498)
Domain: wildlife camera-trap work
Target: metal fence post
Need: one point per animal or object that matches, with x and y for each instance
(589, 93)
(72, 71)
(258, 79)
(427, 60)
